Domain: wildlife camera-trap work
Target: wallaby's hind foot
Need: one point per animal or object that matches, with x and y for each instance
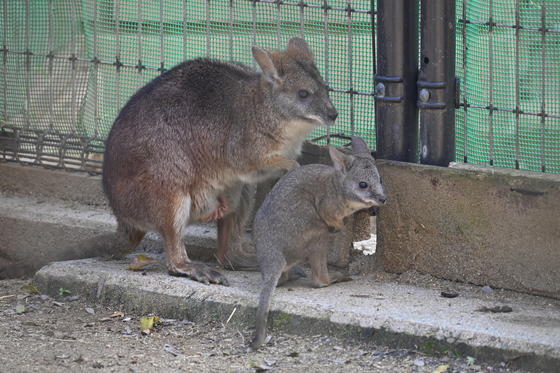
(339, 277)
(199, 272)
(292, 274)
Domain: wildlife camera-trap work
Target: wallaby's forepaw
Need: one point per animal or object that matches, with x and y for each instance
(199, 272)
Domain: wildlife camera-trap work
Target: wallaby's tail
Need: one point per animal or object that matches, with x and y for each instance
(271, 273)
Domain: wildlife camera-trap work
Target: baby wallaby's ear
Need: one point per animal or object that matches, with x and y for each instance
(298, 47)
(267, 66)
(340, 160)
(359, 145)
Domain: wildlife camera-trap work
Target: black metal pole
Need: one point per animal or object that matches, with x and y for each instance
(436, 82)
(397, 70)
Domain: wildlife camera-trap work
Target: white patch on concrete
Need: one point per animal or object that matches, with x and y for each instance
(367, 247)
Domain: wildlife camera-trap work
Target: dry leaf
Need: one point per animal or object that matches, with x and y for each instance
(20, 308)
(30, 289)
(147, 323)
(441, 369)
(140, 261)
(117, 314)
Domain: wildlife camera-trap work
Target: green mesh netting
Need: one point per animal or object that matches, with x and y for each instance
(510, 75)
(69, 65)
(102, 51)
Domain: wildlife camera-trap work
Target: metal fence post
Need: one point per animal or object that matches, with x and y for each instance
(397, 69)
(436, 82)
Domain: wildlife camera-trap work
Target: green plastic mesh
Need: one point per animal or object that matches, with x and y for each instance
(86, 58)
(508, 59)
(69, 65)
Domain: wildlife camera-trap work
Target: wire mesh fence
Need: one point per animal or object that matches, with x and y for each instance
(508, 57)
(70, 65)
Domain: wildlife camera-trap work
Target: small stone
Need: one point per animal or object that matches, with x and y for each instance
(90, 310)
(419, 362)
(487, 289)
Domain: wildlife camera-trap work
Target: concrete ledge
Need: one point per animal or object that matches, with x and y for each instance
(481, 225)
(34, 232)
(379, 311)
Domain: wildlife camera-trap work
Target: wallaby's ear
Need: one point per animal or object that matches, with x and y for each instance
(340, 160)
(359, 145)
(267, 66)
(298, 47)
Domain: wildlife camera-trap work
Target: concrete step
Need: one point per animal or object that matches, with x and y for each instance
(379, 308)
(36, 230)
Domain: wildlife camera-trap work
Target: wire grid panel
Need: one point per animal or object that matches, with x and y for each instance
(70, 65)
(508, 58)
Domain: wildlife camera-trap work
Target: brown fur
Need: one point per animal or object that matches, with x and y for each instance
(187, 143)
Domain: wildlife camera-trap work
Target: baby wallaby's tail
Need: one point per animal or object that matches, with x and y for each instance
(271, 272)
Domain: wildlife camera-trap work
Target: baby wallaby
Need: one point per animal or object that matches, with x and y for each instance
(298, 219)
(186, 144)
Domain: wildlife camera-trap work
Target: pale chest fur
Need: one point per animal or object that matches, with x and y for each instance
(294, 135)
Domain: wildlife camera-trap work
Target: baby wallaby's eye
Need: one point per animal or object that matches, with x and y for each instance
(363, 184)
(302, 93)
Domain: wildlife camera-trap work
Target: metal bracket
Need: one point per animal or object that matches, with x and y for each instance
(380, 89)
(424, 95)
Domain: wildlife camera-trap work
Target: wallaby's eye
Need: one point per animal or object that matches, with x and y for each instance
(363, 184)
(302, 93)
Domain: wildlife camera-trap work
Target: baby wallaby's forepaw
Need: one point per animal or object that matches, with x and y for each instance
(199, 272)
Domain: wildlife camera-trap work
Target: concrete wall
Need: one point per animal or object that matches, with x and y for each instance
(482, 225)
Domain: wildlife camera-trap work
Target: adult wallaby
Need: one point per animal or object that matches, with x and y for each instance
(299, 218)
(185, 145)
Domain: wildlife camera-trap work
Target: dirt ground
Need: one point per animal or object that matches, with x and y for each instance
(67, 334)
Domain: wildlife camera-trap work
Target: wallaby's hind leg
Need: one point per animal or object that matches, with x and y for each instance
(319, 269)
(271, 272)
(234, 252)
(175, 217)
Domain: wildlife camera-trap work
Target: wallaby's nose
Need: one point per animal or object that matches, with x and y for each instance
(382, 199)
(332, 114)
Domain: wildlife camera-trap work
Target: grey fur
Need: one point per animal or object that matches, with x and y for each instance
(298, 220)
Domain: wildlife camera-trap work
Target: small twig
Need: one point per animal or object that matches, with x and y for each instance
(230, 316)
(7, 296)
(242, 337)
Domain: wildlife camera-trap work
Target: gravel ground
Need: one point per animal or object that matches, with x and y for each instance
(60, 334)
